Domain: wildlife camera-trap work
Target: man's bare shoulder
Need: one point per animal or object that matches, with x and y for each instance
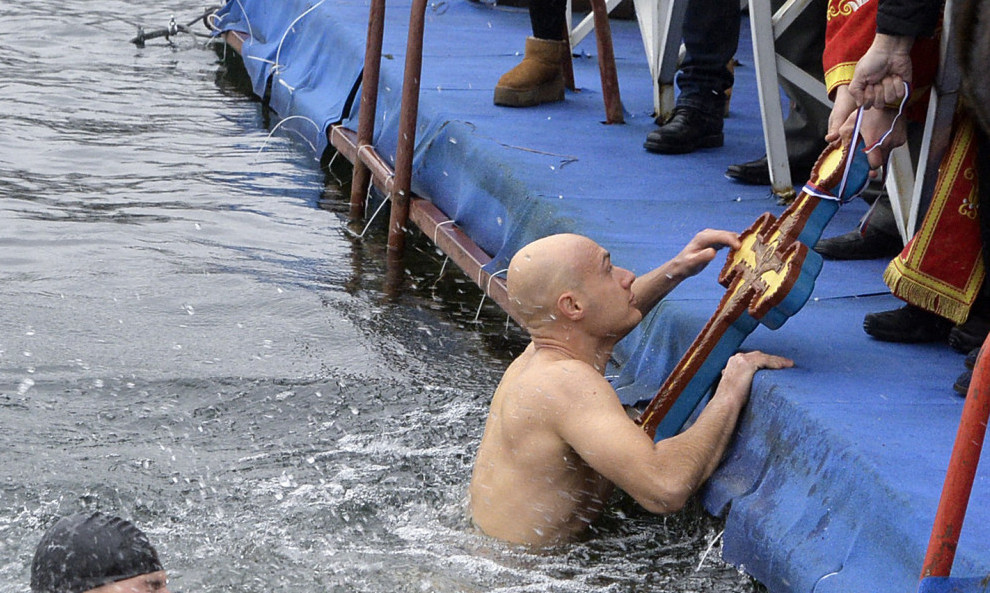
(554, 374)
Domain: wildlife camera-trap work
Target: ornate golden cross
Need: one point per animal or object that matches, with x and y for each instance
(768, 279)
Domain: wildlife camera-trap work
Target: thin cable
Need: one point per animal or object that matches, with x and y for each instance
(442, 269)
(437, 229)
(477, 314)
(711, 545)
(244, 12)
(900, 110)
(372, 219)
(278, 52)
(270, 134)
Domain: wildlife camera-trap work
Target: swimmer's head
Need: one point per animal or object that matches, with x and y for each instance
(88, 550)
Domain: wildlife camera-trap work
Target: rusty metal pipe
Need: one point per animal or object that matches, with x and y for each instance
(402, 187)
(431, 220)
(961, 473)
(606, 64)
(369, 99)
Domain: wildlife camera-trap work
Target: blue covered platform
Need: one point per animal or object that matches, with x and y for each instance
(833, 480)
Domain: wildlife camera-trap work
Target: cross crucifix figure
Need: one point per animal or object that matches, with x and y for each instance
(768, 280)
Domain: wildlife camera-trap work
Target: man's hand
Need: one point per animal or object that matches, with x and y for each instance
(876, 122)
(701, 250)
(737, 378)
(842, 108)
(882, 71)
(656, 284)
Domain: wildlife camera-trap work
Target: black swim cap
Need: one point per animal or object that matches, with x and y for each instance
(87, 550)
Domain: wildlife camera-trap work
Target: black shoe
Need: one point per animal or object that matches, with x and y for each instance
(857, 245)
(907, 324)
(969, 335)
(971, 358)
(687, 130)
(961, 386)
(758, 172)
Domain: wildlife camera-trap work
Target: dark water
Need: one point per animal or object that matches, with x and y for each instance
(190, 337)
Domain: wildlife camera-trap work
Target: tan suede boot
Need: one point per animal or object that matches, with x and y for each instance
(539, 78)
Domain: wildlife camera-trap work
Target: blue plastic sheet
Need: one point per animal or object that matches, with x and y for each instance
(308, 76)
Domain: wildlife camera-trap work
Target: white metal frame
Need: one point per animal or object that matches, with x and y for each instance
(661, 23)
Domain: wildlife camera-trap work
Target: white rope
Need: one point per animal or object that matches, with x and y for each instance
(488, 288)
(276, 127)
(477, 314)
(841, 188)
(711, 545)
(367, 196)
(372, 149)
(260, 60)
(900, 110)
(250, 30)
(372, 219)
(442, 269)
(437, 229)
(278, 52)
(337, 179)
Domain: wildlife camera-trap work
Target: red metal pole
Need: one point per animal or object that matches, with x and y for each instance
(606, 64)
(962, 471)
(360, 176)
(399, 215)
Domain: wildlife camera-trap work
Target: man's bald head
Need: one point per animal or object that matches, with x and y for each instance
(544, 270)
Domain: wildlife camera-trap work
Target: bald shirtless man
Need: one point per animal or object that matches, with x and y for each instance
(557, 439)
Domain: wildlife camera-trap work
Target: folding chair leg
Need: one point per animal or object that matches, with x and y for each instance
(764, 56)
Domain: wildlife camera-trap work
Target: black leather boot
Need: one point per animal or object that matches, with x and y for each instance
(908, 324)
(971, 358)
(870, 244)
(970, 335)
(687, 130)
(757, 172)
(961, 386)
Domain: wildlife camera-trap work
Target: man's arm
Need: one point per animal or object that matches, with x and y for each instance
(660, 476)
(653, 286)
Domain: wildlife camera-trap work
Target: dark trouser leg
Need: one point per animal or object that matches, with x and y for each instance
(807, 121)
(711, 36)
(548, 19)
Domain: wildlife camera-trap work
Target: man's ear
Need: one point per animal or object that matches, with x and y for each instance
(570, 306)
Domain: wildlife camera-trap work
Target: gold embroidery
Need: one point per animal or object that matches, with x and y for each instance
(969, 205)
(846, 8)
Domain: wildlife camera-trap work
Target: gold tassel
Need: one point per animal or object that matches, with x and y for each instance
(923, 297)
